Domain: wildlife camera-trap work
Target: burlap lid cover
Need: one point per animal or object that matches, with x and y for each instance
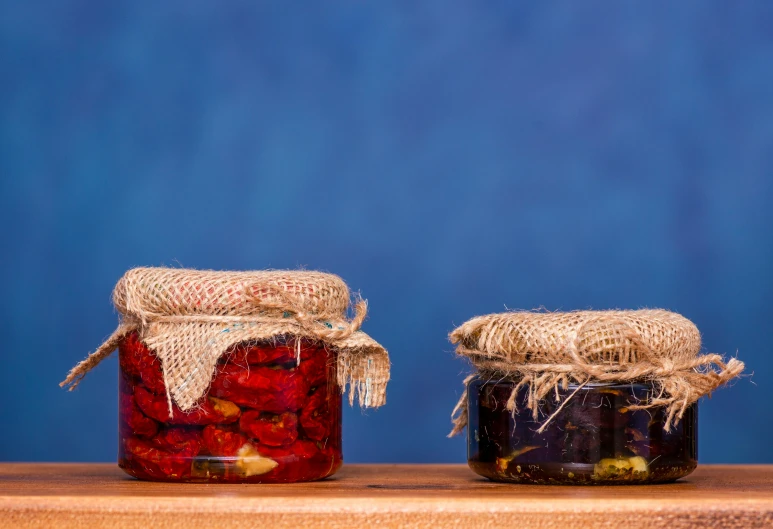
(189, 318)
(546, 351)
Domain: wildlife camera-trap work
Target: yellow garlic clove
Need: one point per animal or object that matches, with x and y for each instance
(635, 466)
(251, 463)
(638, 464)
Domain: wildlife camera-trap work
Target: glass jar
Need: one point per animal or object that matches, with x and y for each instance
(265, 419)
(594, 439)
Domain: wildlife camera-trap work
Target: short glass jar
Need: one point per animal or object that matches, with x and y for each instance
(265, 419)
(594, 439)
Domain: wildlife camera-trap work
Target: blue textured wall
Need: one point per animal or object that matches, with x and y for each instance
(446, 158)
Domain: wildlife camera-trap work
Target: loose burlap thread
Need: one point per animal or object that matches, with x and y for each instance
(189, 319)
(545, 352)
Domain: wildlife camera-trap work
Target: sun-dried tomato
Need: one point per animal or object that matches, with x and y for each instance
(301, 461)
(270, 429)
(315, 417)
(127, 349)
(245, 354)
(222, 442)
(244, 458)
(261, 388)
(184, 442)
(263, 353)
(132, 417)
(315, 368)
(138, 361)
(300, 449)
(209, 411)
(156, 463)
(286, 433)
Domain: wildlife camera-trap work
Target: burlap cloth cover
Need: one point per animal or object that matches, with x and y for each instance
(546, 351)
(189, 318)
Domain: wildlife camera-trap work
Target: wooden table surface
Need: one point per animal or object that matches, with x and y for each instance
(100, 495)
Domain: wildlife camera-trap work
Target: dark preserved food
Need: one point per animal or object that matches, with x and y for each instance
(594, 439)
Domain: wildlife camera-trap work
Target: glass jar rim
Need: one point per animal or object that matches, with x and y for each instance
(571, 385)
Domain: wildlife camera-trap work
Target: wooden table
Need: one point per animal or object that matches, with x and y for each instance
(88, 495)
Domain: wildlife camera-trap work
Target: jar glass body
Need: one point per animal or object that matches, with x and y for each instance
(594, 439)
(265, 419)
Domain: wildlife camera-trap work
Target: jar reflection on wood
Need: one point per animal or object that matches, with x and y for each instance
(594, 439)
(265, 419)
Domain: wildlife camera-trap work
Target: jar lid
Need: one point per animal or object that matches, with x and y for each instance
(547, 350)
(598, 337)
(189, 318)
(168, 292)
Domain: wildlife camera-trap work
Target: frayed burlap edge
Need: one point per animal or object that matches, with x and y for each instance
(545, 352)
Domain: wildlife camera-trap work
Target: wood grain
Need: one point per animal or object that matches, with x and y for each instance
(88, 495)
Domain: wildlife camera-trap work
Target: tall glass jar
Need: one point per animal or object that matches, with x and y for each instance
(266, 417)
(594, 439)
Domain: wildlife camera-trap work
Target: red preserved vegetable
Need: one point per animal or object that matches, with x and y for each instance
(282, 352)
(132, 417)
(146, 460)
(210, 411)
(258, 354)
(138, 361)
(315, 369)
(315, 417)
(222, 441)
(270, 429)
(264, 419)
(302, 461)
(300, 449)
(261, 388)
(239, 456)
(179, 440)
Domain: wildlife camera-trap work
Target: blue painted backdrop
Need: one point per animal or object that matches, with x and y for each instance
(446, 158)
